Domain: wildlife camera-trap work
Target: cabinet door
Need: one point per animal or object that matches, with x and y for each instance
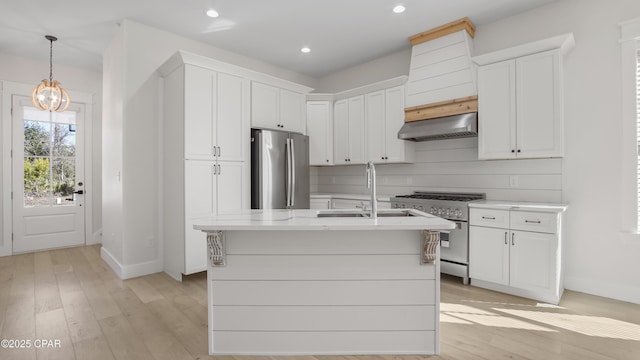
(538, 105)
(200, 201)
(198, 113)
(376, 131)
(264, 106)
(489, 254)
(292, 114)
(396, 149)
(232, 133)
(320, 131)
(356, 130)
(341, 132)
(497, 109)
(533, 262)
(230, 180)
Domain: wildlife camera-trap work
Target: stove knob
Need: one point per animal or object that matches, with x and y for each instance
(440, 211)
(433, 211)
(421, 208)
(458, 213)
(447, 212)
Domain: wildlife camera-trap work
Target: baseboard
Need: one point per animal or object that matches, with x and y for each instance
(617, 291)
(96, 238)
(130, 271)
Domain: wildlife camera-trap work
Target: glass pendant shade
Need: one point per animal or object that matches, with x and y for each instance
(48, 94)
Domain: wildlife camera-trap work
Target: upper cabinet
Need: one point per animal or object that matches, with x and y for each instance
(320, 131)
(520, 101)
(384, 118)
(349, 131)
(213, 115)
(519, 106)
(277, 108)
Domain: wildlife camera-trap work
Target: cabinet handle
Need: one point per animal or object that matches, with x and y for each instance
(219, 170)
(513, 151)
(213, 150)
(533, 221)
(488, 217)
(513, 235)
(518, 150)
(219, 151)
(214, 169)
(506, 242)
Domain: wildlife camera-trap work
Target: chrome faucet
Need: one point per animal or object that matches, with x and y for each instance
(371, 184)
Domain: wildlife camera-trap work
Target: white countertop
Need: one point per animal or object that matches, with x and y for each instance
(515, 205)
(275, 220)
(350, 196)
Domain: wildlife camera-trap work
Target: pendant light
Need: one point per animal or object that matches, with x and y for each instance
(49, 95)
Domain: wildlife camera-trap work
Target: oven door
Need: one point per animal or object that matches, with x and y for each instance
(454, 245)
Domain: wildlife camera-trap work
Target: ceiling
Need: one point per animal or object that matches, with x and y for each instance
(340, 33)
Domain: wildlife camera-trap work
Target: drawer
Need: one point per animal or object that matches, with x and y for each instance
(349, 204)
(489, 217)
(534, 221)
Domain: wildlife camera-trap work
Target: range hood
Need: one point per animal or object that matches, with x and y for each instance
(441, 96)
(448, 127)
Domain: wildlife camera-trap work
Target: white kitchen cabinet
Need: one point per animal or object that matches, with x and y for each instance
(213, 111)
(276, 108)
(349, 131)
(384, 118)
(205, 157)
(210, 188)
(520, 107)
(522, 257)
(320, 131)
(489, 254)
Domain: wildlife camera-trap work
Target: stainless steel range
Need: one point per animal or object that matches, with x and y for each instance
(454, 246)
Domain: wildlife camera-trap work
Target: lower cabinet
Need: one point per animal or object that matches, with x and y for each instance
(210, 188)
(508, 256)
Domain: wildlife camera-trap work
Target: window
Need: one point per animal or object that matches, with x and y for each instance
(638, 130)
(630, 155)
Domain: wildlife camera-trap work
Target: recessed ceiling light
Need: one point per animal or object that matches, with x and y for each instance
(305, 49)
(212, 13)
(398, 9)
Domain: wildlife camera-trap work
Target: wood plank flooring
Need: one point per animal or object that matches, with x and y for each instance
(71, 295)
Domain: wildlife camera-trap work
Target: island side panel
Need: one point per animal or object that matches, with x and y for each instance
(323, 292)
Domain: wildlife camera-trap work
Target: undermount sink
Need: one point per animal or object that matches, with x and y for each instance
(365, 214)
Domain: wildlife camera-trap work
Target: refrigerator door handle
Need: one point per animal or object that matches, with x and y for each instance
(288, 165)
(293, 172)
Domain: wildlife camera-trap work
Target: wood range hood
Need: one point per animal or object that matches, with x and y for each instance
(441, 98)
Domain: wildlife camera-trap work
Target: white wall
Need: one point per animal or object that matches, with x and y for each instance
(600, 257)
(28, 71)
(386, 67)
(132, 119)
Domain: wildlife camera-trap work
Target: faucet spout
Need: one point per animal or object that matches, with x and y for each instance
(371, 184)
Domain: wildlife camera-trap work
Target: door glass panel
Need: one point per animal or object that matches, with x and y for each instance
(64, 174)
(49, 158)
(36, 182)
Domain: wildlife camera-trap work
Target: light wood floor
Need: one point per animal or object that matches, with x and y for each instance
(71, 295)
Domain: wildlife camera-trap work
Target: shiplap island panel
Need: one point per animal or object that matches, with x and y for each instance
(296, 284)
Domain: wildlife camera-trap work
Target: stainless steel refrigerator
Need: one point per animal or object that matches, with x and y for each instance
(279, 170)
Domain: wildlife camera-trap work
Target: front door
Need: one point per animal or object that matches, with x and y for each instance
(48, 177)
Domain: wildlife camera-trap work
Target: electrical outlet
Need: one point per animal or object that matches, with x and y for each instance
(513, 181)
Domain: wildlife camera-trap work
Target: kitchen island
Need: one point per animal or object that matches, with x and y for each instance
(292, 282)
